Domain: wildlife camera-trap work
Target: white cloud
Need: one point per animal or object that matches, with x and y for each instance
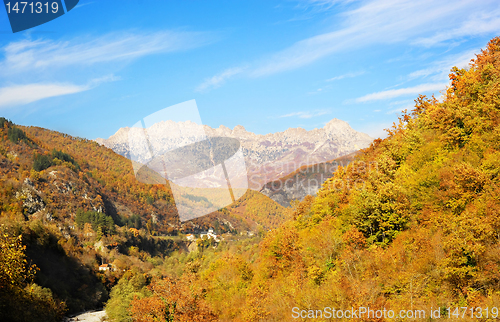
(403, 102)
(25, 94)
(29, 55)
(401, 108)
(219, 79)
(369, 22)
(305, 114)
(104, 79)
(348, 75)
(476, 24)
(322, 5)
(374, 22)
(419, 89)
(318, 91)
(439, 70)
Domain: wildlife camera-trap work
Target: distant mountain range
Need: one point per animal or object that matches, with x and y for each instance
(268, 157)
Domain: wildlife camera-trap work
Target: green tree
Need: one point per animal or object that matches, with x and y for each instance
(41, 162)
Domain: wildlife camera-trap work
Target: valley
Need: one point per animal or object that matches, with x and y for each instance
(411, 220)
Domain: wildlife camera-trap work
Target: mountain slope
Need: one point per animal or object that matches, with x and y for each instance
(306, 180)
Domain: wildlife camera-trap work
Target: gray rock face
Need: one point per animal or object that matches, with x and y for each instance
(287, 193)
(268, 157)
(32, 202)
(305, 181)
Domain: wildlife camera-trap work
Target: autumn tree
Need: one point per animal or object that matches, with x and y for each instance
(173, 300)
(20, 299)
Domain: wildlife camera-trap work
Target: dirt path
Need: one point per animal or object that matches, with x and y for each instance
(95, 316)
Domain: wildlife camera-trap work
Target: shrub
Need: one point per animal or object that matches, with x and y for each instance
(41, 162)
(62, 156)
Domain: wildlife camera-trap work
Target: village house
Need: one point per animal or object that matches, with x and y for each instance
(105, 267)
(210, 235)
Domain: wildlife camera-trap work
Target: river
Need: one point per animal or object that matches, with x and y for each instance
(90, 316)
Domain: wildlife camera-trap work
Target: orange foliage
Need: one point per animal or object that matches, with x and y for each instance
(173, 300)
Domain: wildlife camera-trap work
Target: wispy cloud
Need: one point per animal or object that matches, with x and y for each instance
(16, 95)
(104, 79)
(43, 59)
(439, 70)
(322, 5)
(368, 22)
(305, 114)
(326, 88)
(219, 79)
(24, 94)
(477, 24)
(374, 22)
(42, 54)
(317, 91)
(400, 103)
(348, 75)
(399, 106)
(422, 88)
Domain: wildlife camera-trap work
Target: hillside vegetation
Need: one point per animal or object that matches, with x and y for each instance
(412, 223)
(68, 205)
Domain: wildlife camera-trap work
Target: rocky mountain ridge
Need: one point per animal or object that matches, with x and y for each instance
(268, 157)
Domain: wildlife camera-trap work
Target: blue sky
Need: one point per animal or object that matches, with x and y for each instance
(266, 65)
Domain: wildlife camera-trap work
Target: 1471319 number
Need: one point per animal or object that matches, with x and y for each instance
(473, 312)
(31, 7)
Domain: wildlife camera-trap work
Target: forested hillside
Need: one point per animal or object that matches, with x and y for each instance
(68, 205)
(412, 223)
